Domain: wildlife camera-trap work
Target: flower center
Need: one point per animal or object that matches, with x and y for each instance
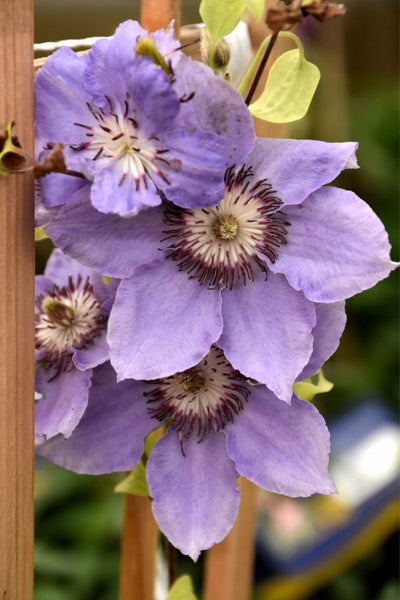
(191, 380)
(225, 227)
(201, 399)
(115, 138)
(68, 317)
(222, 244)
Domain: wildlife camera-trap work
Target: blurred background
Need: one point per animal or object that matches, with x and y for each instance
(333, 548)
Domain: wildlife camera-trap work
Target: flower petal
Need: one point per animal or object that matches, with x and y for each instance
(56, 189)
(112, 245)
(331, 321)
(107, 61)
(281, 448)
(110, 436)
(42, 285)
(336, 246)
(60, 100)
(94, 354)
(166, 42)
(104, 292)
(114, 191)
(153, 96)
(195, 497)
(63, 403)
(295, 168)
(197, 166)
(215, 107)
(59, 267)
(162, 322)
(267, 332)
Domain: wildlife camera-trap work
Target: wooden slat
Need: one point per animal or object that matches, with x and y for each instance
(139, 545)
(229, 564)
(138, 548)
(155, 14)
(16, 310)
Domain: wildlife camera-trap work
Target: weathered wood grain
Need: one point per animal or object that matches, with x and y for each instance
(16, 310)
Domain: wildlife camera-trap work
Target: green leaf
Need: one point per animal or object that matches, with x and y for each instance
(290, 87)
(40, 234)
(307, 389)
(182, 589)
(148, 444)
(256, 8)
(135, 483)
(221, 17)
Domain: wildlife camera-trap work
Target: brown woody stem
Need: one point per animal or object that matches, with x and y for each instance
(261, 67)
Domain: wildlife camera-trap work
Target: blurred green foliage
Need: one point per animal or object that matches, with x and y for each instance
(78, 524)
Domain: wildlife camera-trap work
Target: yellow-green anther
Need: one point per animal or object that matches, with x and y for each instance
(225, 227)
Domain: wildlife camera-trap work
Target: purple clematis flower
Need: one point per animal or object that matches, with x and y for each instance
(219, 427)
(72, 308)
(137, 130)
(253, 274)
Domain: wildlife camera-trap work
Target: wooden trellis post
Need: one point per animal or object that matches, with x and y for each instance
(229, 564)
(16, 310)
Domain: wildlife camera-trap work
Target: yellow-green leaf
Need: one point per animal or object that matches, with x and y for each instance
(256, 8)
(307, 389)
(148, 445)
(40, 234)
(290, 87)
(221, 16)
(182, 589)
(135, 483)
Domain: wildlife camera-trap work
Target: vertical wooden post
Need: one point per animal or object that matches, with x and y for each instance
(16, 310)
(155, 14)
(229, 564)
(138, 552)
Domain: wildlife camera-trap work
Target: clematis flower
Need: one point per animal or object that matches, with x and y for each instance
(219, 427)
(138, 130)
(252, 274)
(72, 307)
